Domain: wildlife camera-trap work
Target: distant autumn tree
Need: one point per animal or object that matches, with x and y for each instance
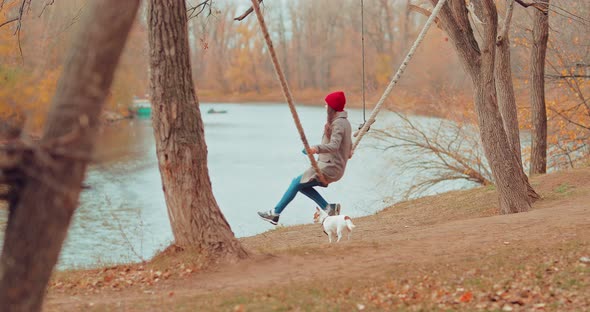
(45, 179)
(565, 82)
(42, 31)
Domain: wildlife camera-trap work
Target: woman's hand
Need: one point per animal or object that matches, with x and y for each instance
(312, 149)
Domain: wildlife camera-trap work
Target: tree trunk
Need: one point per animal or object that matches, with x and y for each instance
(505, 87)
(506, 98)
(508, 174)
(53, 173)
(538, 110)
(480, 64)
(512, 191)
(194, 215)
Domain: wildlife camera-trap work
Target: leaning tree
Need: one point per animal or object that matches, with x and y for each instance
(45, 178)
(197, 221)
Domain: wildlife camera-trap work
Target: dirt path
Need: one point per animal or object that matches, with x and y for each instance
(386, 240)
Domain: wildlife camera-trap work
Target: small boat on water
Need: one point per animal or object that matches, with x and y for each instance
(213, 111)
(141, 108)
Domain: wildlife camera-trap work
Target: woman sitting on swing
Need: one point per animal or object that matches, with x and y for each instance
(334, 153)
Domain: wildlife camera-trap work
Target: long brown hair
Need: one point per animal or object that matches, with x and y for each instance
(328, 126)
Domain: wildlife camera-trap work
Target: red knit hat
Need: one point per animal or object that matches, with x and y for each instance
(336, 100)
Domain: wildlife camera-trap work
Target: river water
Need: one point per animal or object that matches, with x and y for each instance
(254, 152)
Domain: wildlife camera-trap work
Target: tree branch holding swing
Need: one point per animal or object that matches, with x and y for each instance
(539, 6)
(245, 14)
(423, 11)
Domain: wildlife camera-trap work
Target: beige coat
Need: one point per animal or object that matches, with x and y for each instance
(334, 151)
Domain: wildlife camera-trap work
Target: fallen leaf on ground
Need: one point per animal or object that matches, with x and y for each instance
(466, 297)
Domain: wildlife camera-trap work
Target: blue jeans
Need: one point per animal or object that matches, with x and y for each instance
(305, 188)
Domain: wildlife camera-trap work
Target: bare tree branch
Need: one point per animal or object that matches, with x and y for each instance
(572, 83)
(9, 21)
(567, 14)
(545, 8)
(199, 8)
(568, 119)
(18, 28)
(506, 25)
(243, 16)
(567, 76)
(48, 3)
(538, 6)
(447, 148)
(73, 21)
(423, 11)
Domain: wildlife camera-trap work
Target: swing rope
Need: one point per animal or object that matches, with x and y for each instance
(363, 56)
(286, 91)
(359, 135)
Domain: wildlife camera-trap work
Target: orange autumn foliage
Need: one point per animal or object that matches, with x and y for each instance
(567, 84)
(319, 46)
(28, 82)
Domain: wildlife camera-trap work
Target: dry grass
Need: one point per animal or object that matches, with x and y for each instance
(535, 277)
(406, 257)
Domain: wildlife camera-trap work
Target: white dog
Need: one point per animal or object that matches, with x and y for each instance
(333, 225)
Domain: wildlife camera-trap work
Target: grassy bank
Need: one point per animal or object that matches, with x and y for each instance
(445, 252)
